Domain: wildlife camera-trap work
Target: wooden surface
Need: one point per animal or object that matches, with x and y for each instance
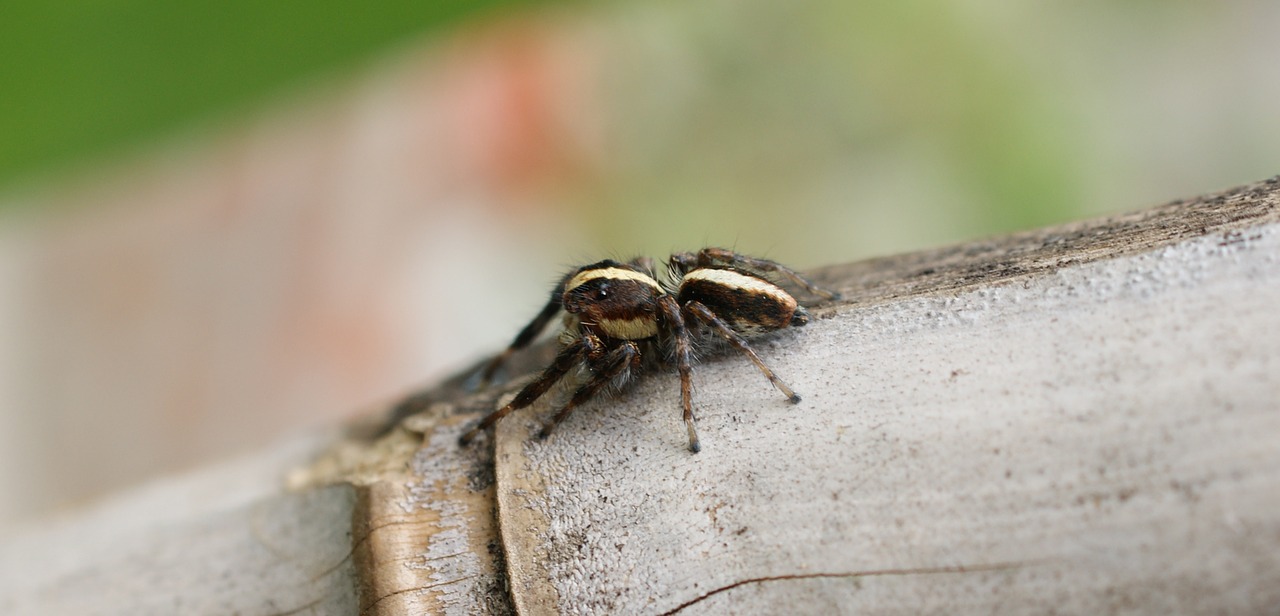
(1074, 420)
(1080, 420)
(225, 540)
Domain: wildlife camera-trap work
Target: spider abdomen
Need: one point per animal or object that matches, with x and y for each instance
(748, 304)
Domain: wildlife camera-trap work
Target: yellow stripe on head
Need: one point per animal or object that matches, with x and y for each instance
(616, 273)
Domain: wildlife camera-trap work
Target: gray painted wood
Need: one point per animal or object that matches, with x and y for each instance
(226, 540)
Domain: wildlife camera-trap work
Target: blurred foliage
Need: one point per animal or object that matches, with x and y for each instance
(81, 77)
(831, 130)
(871, 127)
(829, 96)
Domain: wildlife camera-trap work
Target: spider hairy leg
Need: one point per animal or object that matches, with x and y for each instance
(616, 362)
(705, 315)
(644, 263)
(674, 319)
(568, 358)
(526, 335)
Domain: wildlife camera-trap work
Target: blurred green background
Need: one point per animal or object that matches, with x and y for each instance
(85, 79)
(954, 119)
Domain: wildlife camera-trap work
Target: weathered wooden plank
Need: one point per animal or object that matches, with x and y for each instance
(225, 540)
(424, 534)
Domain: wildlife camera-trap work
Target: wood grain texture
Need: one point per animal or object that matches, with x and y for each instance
(423, 531)
(1227, 214)
(224, 540)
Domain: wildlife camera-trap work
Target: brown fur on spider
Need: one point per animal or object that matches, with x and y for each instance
(614, 310)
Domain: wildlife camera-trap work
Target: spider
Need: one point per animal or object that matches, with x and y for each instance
(617, 314)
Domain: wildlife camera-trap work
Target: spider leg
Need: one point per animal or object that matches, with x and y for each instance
(709, 257)
(644, 263)
(569, 357)
(704, 314)
(684, 361)
(526, 335)
(614, 363)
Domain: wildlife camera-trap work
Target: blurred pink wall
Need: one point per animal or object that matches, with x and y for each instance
(355, 241)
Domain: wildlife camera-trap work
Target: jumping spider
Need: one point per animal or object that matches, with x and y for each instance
(615, 310)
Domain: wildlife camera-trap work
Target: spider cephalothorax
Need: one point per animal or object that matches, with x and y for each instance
(616, 314)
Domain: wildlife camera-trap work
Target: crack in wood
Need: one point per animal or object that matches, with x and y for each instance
(300, 609)
(375, 603)
(985, 567)
(356, 546)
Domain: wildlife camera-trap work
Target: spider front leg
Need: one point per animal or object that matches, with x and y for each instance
(711, 257)
(569, 357)
(613, 364)
(684, 362)
(704, 314)
(528, 334)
